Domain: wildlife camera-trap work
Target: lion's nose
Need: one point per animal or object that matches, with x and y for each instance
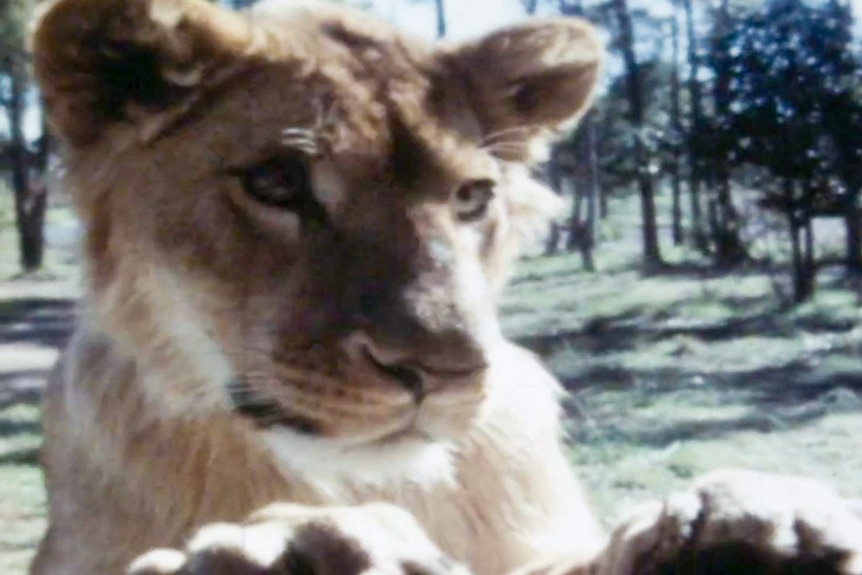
(418, 372)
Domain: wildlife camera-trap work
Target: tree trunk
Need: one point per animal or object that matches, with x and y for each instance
(593, 193)
(676, 126)
(695, 170)
(850, 172)
(797, 260)
(30, 197)
(441, 17)
(582, 230)
(651, 252)
(576, 226)
(798, 265)
(810, 269)
(853, 233)
(603, 203)
(554, 175)
(729, 249)
(567, 7)
(603, 131)
(801, 243)
(712, 217)
(553, 239)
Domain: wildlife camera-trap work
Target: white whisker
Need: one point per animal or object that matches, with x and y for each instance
(505, 148)
(517, 130)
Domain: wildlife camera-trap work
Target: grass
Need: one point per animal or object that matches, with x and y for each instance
(22, 498)
(669, 375)
(679, 373)
(35, 312)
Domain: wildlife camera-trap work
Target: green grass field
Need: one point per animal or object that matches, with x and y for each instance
(22, 499)
(670, 375)
(674, 375)
(35, 312)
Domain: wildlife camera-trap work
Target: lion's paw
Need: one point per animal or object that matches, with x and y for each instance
(740, 522)
(377, 539)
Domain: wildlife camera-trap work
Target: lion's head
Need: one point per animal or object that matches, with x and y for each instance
(298, 214)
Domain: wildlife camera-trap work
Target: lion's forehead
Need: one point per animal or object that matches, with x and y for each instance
(387, 141)
(381, 109)
(363, 93)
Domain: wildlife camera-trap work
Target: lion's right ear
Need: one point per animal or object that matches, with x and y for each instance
(530, 81)
(103, 62)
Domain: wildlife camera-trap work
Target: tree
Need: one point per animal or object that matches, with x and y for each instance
(14, 15)
(788, 62)
(676, 131)
(724, 218)
(553, 175)
(582, 232)
(589, 160)
(844, 102)
(651, 251)
(27, 160)
(440, 7)
(843, 127)
(695, 127)
(30, 192)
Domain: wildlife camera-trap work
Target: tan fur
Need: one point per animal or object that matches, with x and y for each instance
(192, 284)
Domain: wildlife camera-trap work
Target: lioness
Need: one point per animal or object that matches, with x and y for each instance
(298, 223)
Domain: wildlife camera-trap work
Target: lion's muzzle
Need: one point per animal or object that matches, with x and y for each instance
(456, 361)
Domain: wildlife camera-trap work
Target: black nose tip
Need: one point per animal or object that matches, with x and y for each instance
(407, 375)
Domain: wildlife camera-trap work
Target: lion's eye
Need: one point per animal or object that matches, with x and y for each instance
(278, 182)
(471, 200)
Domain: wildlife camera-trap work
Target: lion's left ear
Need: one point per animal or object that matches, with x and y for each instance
(135, 62)
(529, 80)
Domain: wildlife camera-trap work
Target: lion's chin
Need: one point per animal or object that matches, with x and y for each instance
(406, 455)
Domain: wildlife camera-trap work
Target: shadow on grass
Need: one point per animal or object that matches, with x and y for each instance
(632, 328)
(26, 456)
(758, 420)
(39, 321)
(701, 270)
(655, 357)
(774, 399)
(786, 384)
(21, 387)
(34, 321)
(18, 427)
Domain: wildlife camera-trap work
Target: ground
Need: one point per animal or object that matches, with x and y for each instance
(669, 375)
(677, 374)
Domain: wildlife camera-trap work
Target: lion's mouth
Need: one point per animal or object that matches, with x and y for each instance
(410, 432)
(406, 375)
(413, 371)
(266, 413)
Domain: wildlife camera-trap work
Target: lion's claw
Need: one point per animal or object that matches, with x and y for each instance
(296, 540)
(740, 522)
